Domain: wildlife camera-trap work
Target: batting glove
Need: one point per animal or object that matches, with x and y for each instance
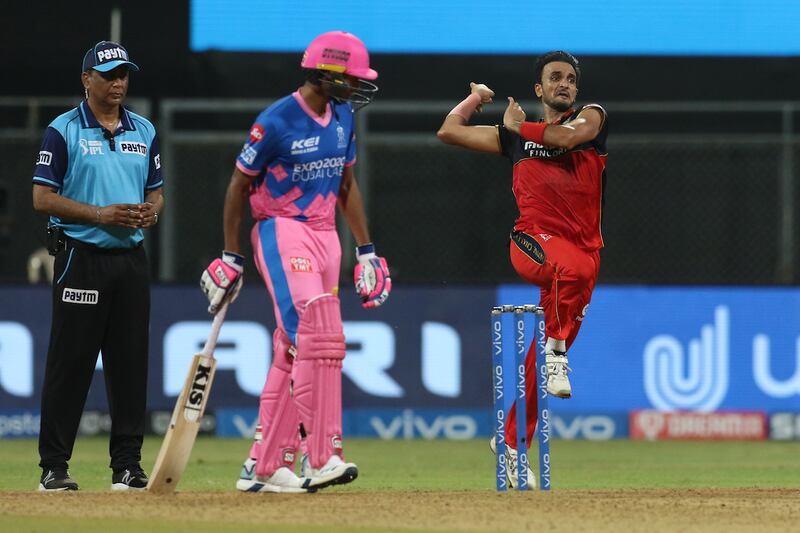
(371, 277)
(222, 279)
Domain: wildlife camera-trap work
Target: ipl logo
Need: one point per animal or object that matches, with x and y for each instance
(697, 381)
(342, 143)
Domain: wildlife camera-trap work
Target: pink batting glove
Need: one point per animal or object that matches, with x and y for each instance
(371, 276)
(222, 279)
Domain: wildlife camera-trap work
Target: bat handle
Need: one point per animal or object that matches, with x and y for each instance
(211, 343)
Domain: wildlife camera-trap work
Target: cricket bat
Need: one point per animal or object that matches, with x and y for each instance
(186, 417)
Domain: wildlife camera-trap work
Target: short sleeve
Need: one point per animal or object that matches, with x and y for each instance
(52, 161)
(259, 150)
(508, 141)
(350, 156)
(154, 179)
(599, 142)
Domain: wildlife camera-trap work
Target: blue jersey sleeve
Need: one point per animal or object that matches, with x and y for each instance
(51, 163)
(350, 157)
(261, 147)
(154, 179)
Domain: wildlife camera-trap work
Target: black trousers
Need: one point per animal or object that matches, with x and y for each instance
(101, 303)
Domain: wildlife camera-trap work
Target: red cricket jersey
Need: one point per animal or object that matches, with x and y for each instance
(559, 191)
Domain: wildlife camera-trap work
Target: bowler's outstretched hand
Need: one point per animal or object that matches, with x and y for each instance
(484, 92)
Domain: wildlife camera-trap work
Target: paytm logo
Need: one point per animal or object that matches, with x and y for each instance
(111, 53)
(44, 158)
(695, 379)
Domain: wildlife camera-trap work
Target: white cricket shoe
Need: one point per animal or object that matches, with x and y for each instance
(557, 380)
(247, 477)
(335, 472)
(512, 473)
(282, 480)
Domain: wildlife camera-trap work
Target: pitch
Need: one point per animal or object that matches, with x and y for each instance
(430, 485)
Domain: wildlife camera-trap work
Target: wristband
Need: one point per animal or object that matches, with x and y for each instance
(533, 131)
(233, 259)
(365, 251)
(467, 106)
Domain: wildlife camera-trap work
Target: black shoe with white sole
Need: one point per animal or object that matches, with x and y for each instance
(56, 480)
(131, 478)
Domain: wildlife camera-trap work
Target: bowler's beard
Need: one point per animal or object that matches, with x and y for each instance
(561, 107)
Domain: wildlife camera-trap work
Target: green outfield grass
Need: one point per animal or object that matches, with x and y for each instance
(456, 465)
(421, 485)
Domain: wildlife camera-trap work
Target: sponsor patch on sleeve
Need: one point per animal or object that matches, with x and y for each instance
(256, 133)
(248, 154)
(44, 158)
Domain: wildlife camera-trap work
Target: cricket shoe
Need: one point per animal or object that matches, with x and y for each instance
(282, 480)
(557, 370)
(247, 477)
(131, 478)
(56, 480)
(512, 472)
(335, 472)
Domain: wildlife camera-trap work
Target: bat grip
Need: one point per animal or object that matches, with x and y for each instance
(211, 343)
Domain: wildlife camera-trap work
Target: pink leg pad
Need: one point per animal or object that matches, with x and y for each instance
(277, 413)
(317, 375)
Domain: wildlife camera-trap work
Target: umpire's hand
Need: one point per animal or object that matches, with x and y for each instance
(132, 216)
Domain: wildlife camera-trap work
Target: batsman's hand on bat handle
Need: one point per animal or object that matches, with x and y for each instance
(484, 92)
(514, 116)
(371, 276)
(222, 280)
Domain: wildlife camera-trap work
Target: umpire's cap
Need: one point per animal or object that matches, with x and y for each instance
(105, 56)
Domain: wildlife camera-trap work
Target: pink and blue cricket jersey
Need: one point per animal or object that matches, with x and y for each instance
(297, 159)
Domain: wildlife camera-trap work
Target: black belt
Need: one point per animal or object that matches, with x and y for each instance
(94, 248)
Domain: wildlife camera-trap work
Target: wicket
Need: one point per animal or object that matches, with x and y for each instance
(499, 387)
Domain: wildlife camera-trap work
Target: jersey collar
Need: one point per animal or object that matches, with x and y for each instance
(321, 120)
(88, 120)
(568, 113)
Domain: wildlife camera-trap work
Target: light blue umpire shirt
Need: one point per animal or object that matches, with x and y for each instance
(84, 162)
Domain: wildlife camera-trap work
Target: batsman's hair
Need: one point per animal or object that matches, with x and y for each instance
(556, 55)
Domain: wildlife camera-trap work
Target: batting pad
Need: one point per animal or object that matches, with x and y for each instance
(317, 375)
(277, 413)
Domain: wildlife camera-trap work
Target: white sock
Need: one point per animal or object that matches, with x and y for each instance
(556, 345)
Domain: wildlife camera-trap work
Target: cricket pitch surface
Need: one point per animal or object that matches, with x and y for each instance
(615, 510)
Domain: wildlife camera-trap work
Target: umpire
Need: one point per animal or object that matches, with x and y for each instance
(98, 176)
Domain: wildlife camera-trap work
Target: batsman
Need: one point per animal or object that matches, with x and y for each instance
(295, 167)
(558, 181)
